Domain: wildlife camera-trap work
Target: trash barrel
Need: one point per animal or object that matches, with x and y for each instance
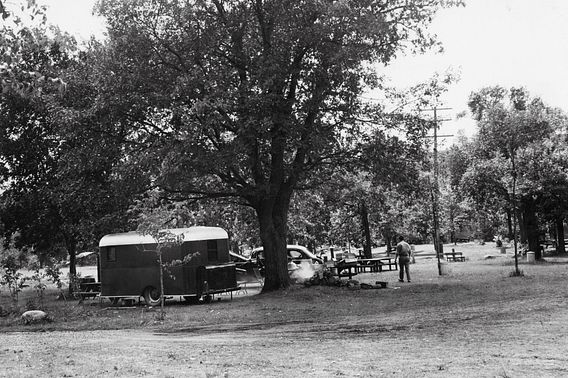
(503, 250)
(444, 268)
(530, 257)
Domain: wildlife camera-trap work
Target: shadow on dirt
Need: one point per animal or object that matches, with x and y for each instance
(290, 327)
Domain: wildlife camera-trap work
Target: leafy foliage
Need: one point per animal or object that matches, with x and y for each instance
(31, 50)
(12, 260)
(519, 159)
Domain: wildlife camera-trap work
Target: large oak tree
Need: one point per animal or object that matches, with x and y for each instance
(250, 99)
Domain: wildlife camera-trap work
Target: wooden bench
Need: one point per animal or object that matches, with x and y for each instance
(376, 264)
(89, 289)
(454, 256)
(370, 265)
(387, 261)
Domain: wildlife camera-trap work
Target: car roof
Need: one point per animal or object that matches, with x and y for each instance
(291, 247)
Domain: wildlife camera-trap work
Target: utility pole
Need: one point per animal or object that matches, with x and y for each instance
(436, 190)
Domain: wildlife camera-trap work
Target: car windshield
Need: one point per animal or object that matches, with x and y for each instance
(295, 254)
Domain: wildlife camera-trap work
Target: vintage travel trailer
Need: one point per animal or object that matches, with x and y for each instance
(128, 265)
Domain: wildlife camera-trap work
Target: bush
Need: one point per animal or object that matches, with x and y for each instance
(12, 260)
(53, 273)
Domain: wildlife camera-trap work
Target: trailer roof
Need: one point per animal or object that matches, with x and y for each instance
(189, 234)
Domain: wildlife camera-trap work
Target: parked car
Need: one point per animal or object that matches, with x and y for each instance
(238, 259)
(296, 253)
(245, 266)
(299, 257)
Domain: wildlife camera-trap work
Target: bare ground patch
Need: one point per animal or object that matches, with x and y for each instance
(474, 322)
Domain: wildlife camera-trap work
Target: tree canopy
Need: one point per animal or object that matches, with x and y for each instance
(250, 99)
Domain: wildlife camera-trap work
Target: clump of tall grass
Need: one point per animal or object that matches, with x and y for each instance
(517, 273)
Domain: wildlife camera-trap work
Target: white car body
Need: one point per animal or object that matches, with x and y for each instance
(303, 264)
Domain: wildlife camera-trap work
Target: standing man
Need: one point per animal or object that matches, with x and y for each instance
(403, 254)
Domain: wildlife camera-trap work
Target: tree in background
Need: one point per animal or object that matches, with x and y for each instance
(456, 209)
(512, 128)
(396, 166)
(31, 60)
(56, 161)
(545, 179)
(483, 187)
(309, 222)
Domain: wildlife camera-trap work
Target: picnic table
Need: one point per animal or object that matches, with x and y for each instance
(375, 264)
(344, 268)
(454, 256)
(88, 288)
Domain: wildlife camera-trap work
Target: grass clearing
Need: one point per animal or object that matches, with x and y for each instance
(475, 321)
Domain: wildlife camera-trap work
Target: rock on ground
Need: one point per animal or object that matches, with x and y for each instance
(34, 316)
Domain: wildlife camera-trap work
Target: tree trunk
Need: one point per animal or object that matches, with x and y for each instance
(72, 270)
(509, 224)
(272, 219)
(560, 245)
(531, 226)
(388, 238)
(72, 250)
(453, 237)
(366, 230)
(522, 227)
(72, 260)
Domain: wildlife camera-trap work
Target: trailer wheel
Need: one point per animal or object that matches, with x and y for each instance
(152, 296)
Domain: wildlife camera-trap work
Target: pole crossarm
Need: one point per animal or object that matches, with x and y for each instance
(439, 136)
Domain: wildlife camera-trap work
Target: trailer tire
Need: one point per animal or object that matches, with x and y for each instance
(152, 296)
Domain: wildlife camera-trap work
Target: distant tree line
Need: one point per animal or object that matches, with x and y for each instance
(514, 171)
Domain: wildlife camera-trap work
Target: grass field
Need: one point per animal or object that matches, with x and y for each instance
(474, 321)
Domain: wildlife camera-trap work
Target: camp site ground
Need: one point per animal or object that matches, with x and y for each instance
(474, 321)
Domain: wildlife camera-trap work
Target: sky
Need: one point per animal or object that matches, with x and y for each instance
(488, 42)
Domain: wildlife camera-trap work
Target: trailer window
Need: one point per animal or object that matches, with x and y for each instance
(111, 254)
(212, 250)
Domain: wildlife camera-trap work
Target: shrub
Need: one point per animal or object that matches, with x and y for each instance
(53, 273)
(11, 261)
(39, 285)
